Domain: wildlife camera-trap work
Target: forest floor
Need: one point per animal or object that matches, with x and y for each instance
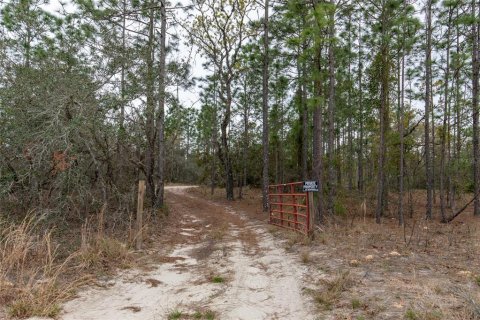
(357, 269)
(221, 260)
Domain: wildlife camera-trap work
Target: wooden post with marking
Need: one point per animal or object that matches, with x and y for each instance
(141, 195)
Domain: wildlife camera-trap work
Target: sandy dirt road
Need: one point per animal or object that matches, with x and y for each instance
(219, 262)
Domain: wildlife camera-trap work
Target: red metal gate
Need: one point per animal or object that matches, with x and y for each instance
(290, 207)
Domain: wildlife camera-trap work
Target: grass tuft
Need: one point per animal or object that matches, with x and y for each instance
(104, 255)
(218, 279)
(305, 256)
(356, 304)
(25, 308)
(333, 290)
(201, 314)
(175, 314)
(209, 315)
(411, 315)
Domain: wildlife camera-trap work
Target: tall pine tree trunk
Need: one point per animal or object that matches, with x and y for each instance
(384, 83)
(476, 145)
(122, 76)
(318, 128)
(224, 153)
(318, 140)
(214, 145)
(150, 111)
(350, 114)
(331, 116)
(401, 90)
(304, 106)
(360, 183)
(159, 199)
(214, 137)
(446, 98)
(458, 119)
(265, 129)
(245, 141)
(432, 148)
(428, 71)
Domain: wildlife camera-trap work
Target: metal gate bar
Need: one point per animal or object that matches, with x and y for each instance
(289, 207)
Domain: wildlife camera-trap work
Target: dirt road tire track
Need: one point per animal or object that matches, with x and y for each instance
(259, 279)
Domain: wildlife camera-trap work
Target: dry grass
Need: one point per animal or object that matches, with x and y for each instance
(35, 280)
(305, 257)
(411, 269)
(471, 302)
(30, 276)
(219, 232)
(104, 255)
(332, 289)
(100, 253)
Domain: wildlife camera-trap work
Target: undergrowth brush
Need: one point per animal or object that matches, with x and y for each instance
(35, 280)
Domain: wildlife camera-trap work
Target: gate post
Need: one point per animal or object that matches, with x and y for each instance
(280, 191)
(311, 213)
(141, 195)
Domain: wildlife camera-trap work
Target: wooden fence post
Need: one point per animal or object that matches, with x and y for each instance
(101, 221)
(311, 209)
(141, 195)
